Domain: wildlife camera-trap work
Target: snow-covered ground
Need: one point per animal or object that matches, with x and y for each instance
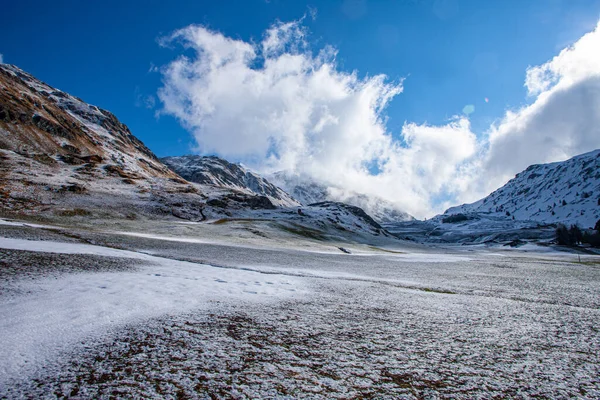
(192, 318)
(57, 312)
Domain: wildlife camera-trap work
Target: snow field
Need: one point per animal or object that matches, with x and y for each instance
(301, 323)
(58, 312)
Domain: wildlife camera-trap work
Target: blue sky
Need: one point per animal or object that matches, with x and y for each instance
(102, 51)
(450, 53)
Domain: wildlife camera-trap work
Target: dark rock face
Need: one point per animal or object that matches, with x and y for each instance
(70, 159)
(94, 158)
(217, 203)
(254, 202)
(454, 218)
(242, 201)
(50, 127)
(74, 188)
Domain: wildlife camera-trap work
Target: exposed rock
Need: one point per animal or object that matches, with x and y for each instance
(94, 158)
(73, 188)
(254, 202)
(217, 203)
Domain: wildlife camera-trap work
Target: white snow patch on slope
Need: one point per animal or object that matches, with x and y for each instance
(10, 223)
(27, 224)
(57, 314)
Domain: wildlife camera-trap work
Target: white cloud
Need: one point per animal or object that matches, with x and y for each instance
(1, 58)
(142, 100)
(562, 121)
(277, 106)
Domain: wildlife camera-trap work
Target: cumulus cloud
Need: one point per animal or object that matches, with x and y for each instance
(562, 121)
(276, 105)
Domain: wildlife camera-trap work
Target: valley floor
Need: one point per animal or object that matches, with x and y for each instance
(90, 314)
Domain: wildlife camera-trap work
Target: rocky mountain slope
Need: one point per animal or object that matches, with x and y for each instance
(308, 191)
(37, 120)
(63, 158)
(59, 154)
(567, 192)
(218, 172)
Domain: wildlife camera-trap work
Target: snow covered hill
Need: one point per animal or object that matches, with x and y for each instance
(567, 192)
(219, 172)
(308, 191)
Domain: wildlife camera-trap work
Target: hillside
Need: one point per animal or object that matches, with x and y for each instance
(62, 156)
(567, 192)
(218, 172)
(37, 119)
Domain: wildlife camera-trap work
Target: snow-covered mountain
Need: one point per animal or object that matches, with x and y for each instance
(308, 191)
(216, 171)
(303, 189)
(63, 158)
(381, 210)
(567, 192)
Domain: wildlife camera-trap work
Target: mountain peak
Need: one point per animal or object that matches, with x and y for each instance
(212, 170)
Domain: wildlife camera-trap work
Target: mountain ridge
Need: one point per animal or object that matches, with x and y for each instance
(565, 192)
(309, 191)
(213, 170)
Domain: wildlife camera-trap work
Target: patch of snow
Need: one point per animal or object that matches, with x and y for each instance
(57, 313)
(10, 223)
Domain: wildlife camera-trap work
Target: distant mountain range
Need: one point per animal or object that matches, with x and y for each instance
(62, 156)
(567, 192)
(308, 191)
(283, 189)
(221, 173)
